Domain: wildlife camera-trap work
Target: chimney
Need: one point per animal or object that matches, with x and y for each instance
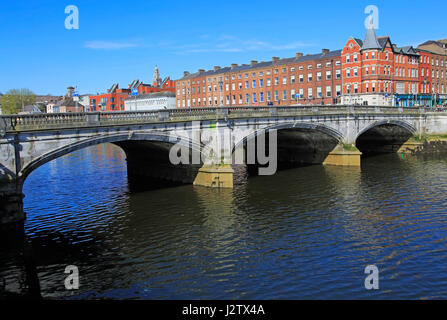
(299, 55)
(324, 51)
(253, 62)
(185, 73)
(275, 59)
(201, 71)
(233, 65)
(216, 68)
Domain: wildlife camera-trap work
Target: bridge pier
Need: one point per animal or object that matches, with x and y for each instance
(345, 156)
(215, 176)
(11, 203)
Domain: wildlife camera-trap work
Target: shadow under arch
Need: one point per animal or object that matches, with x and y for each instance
(298, 144)
(136, 146)
(385, 136)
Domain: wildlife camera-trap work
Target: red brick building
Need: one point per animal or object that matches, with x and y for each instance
(377, 72)
(436, 61)
(113, 100)
(301, 80)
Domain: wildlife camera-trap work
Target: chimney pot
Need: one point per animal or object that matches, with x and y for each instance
(253, 62)
(201, 71)
(299, 54)
(216, 68)
(185, 73)
(275, 59)
(233, 65)
(324, 51)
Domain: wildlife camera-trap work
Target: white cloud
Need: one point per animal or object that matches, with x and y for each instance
(109, 45)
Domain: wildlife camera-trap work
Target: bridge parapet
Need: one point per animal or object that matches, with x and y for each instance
(94, 119)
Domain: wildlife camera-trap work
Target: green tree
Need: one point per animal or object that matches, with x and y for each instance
(13, 100)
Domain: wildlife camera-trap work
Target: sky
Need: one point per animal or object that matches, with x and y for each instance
(120, 41)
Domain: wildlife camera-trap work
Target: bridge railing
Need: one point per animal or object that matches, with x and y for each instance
(91, 119)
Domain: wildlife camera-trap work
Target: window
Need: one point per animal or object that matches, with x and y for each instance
(309, 93)
(254, 98)
(269, 97)
(338, 90)
(309, 77)
(318, 76)
(301, 78)
(254, 84)
(319, 94)
(246, 84)
(261, 97)
(355, 58)
(319, 65)
(284, 80)
(328, 75)
(348, 58)
(261, 83)
(269, 82)
(337, 74)
(292, 79)
(276, 81)
(276, 95)
(284, 95)
(328, 91)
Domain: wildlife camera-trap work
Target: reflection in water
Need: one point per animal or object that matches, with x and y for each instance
(303, 233)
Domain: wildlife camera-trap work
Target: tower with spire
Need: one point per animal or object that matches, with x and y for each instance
(371, 42)
(156, 79)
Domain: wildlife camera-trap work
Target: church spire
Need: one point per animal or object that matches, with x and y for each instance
(156, 79)
(371, 41)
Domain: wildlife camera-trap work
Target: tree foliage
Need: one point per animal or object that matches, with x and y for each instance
(13, 100)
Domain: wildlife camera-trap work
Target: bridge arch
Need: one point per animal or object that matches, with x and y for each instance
(118, 139)
(399, 123)
(384, 136)
(291, 126)
(298, 143)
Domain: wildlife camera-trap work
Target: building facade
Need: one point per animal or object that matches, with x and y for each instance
(150, 102)
(114, 99)
(377, 72)
(301, 80)
(436, 52)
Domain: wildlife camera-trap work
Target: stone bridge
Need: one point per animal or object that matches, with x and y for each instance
(303, 135)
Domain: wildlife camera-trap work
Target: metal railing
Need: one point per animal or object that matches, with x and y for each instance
(93, 119)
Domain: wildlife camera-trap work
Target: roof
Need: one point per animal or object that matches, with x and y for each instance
(167, 94)
(66, 103)
(247, 67)
(370, 41)
(437, 47)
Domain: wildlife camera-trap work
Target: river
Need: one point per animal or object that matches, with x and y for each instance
(305, 233)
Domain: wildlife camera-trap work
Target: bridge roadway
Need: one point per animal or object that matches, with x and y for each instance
(332, 135)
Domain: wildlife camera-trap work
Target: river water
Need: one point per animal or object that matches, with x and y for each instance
(306, 233)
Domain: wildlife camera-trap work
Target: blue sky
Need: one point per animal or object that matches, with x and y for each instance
(119, 41)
